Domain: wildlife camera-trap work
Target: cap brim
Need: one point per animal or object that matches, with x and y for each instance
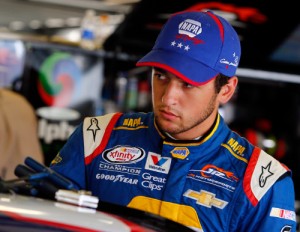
(186, 68)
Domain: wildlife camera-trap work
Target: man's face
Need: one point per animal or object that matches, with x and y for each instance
(182, 110)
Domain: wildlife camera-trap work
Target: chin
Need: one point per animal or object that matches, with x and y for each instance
(168, 127)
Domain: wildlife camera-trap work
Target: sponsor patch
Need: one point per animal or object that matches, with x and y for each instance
(205, 198)
(190, 27)
(117, 178)
(265, 174)
(157, 163)
(213, 175)
(56, 160)
(286, 228)
(210, 181)
(120, 168)
(93, 127)
(180, 152)
(212, 170)
(283, 213)
(153, 182)
(236, 147)
(124, 155)
(132, 122)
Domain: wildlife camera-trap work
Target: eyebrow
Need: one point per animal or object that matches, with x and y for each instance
(160, 70)
(164, 72)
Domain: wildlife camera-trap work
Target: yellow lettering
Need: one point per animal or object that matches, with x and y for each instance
(231, 141)
(125, 123)
(137, 122)
(235, 146)
(130, 123)
(241, 150)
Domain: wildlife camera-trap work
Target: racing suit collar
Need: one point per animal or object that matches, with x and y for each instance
(165, 136)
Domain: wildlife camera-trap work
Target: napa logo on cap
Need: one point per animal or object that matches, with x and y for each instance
(190, 27)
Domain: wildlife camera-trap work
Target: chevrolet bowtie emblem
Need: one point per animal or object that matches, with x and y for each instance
(205, 198)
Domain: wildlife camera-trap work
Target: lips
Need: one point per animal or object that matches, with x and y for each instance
(168, 115)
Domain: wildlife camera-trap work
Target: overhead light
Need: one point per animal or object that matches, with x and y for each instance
(54, 23)
(266, 75)
(2, 28)
(118, 2)
(73, 22)
(35, 24)
(16, 25)
(69, 35)
(89, 4)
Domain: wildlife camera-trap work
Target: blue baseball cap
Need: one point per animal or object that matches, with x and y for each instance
(196, 47)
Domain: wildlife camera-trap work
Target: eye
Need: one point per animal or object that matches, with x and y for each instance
(159, 76)
(187, 85)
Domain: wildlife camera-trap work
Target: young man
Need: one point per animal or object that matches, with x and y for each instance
(181, 161)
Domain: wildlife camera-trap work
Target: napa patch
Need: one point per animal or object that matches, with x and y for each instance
(180, 152)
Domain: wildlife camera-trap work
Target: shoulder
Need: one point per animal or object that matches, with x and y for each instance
(262, 172)
(102, 120)
(259, 170)
(95, 128)
(116, 120)
(239, 148)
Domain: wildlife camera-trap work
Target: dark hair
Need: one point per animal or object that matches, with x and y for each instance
(220, 81)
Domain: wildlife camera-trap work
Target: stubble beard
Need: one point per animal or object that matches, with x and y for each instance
(189, 123)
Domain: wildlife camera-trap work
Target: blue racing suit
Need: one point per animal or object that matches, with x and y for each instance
(219, 182)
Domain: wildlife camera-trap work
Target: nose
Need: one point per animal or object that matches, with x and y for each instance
(171, 93)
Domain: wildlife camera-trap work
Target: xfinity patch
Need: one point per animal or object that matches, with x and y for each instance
(124, 155)
(157, 163)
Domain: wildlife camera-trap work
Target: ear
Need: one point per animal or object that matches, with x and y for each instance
(228, 90)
